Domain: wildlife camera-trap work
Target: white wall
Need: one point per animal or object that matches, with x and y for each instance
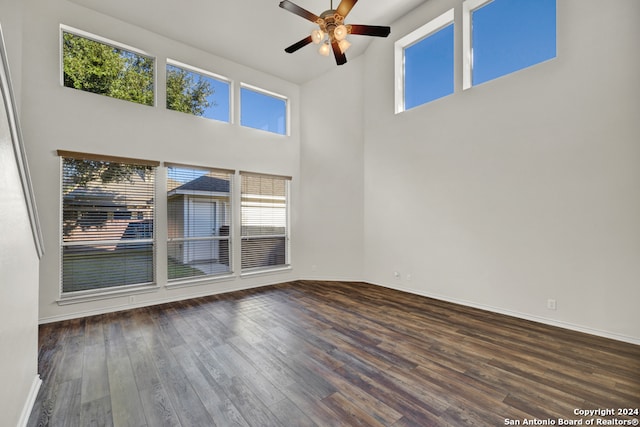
(520, 190)
(55, 117)
(502, 196)
(11, 20)
(18, 263)
(331, 175)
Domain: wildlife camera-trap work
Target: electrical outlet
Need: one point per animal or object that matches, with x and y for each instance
(396, 274)
(551, 304)
(409, 277)
(132, 299)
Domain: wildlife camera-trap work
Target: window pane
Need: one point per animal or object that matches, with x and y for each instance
(258, 252)
(262, 111)
(197, 94)
(264, 221)
(100, 68)
(199, 220)
(105, 266)
(509, 35)
(107, 228)
(428, 72)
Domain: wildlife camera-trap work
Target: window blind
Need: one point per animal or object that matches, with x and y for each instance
(199, 222)
(264, 221)
(107, 222)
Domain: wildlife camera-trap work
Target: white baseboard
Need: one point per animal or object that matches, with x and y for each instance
(31, 400)
(525, 316)
(333, 279)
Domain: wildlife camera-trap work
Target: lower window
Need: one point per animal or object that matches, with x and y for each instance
(199, 221)
(107, 222)
(264, 218)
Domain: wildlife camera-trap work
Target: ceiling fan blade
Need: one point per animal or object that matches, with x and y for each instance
(294, 8)
(337, 52)
(370, 30)
(345, 7)
(298, 45)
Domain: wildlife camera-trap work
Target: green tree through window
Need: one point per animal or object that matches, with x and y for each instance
(96, 67)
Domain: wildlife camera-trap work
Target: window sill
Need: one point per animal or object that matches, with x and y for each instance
(89, 296)
(185, 283)
(261, 271)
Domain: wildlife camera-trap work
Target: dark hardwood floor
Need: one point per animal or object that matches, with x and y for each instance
(325, 354)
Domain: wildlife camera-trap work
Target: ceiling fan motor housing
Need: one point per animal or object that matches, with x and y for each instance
(329, 20)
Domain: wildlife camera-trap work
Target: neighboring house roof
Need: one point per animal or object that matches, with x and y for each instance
(204, 183)
(172, 184)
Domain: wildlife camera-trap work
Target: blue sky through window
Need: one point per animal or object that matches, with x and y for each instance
(428, 73)
(262, 111)
(509, 35)
(220, 108)
(499, 37)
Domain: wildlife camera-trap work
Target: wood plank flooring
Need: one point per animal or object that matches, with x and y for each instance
(324, 354)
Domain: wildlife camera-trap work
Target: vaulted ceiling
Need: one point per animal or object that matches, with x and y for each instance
(251, 32)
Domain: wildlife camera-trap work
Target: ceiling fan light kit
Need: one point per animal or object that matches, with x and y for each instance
(317, 36)
(332, 32)
(324, 49)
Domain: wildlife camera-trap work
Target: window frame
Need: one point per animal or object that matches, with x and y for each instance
(206, 73)
(175, 282)
(68, 297)
(416, 36)
(287, 265)
(103, 40)
(287, 113)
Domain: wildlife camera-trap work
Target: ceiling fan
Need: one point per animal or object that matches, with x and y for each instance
(332, 31)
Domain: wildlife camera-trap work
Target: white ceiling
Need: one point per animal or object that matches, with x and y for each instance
(251, 32)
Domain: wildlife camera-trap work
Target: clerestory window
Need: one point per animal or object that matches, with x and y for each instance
(197, 92)
(260, 109)
(504, 36)
(424, 63)
(93, 64)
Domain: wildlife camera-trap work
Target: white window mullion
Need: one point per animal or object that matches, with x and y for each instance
(467, 43)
